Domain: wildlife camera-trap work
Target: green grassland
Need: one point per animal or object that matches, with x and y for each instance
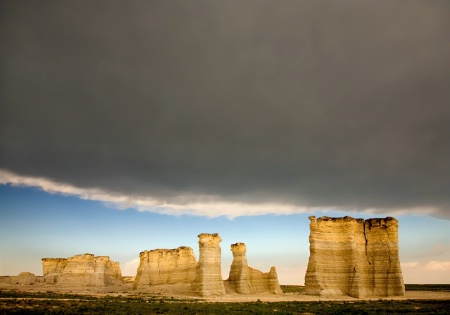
(15, 302)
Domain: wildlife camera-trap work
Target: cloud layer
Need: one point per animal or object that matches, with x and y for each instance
(302, 105)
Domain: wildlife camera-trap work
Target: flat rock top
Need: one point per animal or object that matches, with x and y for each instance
(348, 219)
(181, 249)
(209, 239)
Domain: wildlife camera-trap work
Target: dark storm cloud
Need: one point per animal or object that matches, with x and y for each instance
(310, 103)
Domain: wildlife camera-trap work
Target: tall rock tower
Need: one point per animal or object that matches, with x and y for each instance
(208, 277)
(354, 257)
(239, 278)
(385, 274)
(246, 280)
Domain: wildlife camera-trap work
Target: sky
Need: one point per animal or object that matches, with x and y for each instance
(130, 126)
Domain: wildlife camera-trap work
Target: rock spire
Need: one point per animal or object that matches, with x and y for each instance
(208, 277)
(246, 280)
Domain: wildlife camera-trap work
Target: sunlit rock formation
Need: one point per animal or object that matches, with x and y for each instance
(82, 270)
(385, 272)
(165, 266)
(208, 278)
(246, 280)
(354, 257)
(239, 278)
(52, 269)
(53, 265)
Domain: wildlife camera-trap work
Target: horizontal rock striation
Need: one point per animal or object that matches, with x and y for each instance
(53, 265)
(385, 274)
(82, 270)
(265, 282)
(208, 278)
(239, 277)
(52, 269)
(165, 266)
(354, 257)
(246, 280)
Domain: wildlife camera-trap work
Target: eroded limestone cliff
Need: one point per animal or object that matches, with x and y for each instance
(385, 274)
(52, 269)
(354, 257)
(208, 278)
(165, 266)
(82, 270)
(246, 280)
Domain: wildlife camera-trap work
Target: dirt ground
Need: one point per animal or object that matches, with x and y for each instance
(410, 295)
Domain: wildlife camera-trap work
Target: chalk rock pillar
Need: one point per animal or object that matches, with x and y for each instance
(246, 280)
(84, 270)
(337, 247)
(354, 257)
(165, 266)
(52, 269)
(107, 272)
(208, 277)
(272, 281)
(385, 273)
(239, 277)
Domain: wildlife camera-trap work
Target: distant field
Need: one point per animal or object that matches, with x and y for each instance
(409, 287)
(293, 289)
(428, 287)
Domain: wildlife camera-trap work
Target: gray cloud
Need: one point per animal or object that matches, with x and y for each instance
(308, 103)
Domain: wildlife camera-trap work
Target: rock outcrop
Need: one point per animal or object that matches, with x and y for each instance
(165, 266)
(52, 269)
(208, 278)
(5, 280)
(385, 273)
(24, 278)
(53, 265)
(239, 278)
(354, 257)
(82, 270)
(246, 280)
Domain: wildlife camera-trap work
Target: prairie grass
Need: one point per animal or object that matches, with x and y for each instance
(15, 302)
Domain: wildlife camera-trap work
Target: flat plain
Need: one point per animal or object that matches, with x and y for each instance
(419, 299)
